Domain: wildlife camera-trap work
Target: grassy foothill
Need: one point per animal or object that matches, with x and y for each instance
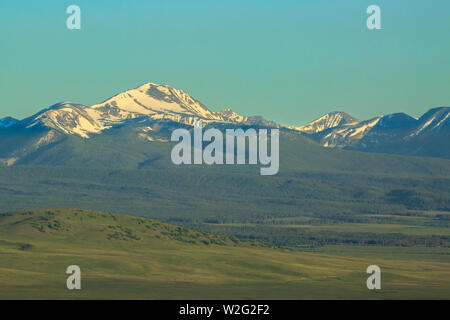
(125, 257)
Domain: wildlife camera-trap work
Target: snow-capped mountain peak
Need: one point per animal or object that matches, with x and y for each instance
(149, 100)
(229, 115)
(152, 108)
(434, 119)
(328, 121)
(69, 118)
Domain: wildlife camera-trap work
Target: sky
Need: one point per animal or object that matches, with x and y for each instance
(288, 61)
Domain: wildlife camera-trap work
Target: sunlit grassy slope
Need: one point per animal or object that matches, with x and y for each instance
(136, 258)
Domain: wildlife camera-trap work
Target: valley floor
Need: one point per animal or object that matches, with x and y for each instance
(125, 257)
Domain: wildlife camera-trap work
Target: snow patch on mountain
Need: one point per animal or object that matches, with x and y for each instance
(434, 119)
(347, 134)
(152, 100)
(70, 118)
(151, 104)
(149, 101)
(328, 121)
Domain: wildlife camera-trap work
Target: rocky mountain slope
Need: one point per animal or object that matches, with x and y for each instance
(151, 112)
(396, 133)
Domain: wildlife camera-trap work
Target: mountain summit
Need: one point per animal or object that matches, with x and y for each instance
(149, 101)
(329, 121)
(148, 113)
(153, 100)
(151, 111)
(396, 133)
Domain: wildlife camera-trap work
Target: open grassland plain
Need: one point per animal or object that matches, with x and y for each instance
(125, 257)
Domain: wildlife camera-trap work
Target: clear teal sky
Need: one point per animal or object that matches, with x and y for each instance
(289, 61)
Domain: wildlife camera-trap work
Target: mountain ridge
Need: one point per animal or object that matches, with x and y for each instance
(151, 110)
(396, 133)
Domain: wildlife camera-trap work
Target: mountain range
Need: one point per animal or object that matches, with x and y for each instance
(151, 111)
(396, 133)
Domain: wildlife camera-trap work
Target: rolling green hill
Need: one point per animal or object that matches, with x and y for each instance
(128, 257)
